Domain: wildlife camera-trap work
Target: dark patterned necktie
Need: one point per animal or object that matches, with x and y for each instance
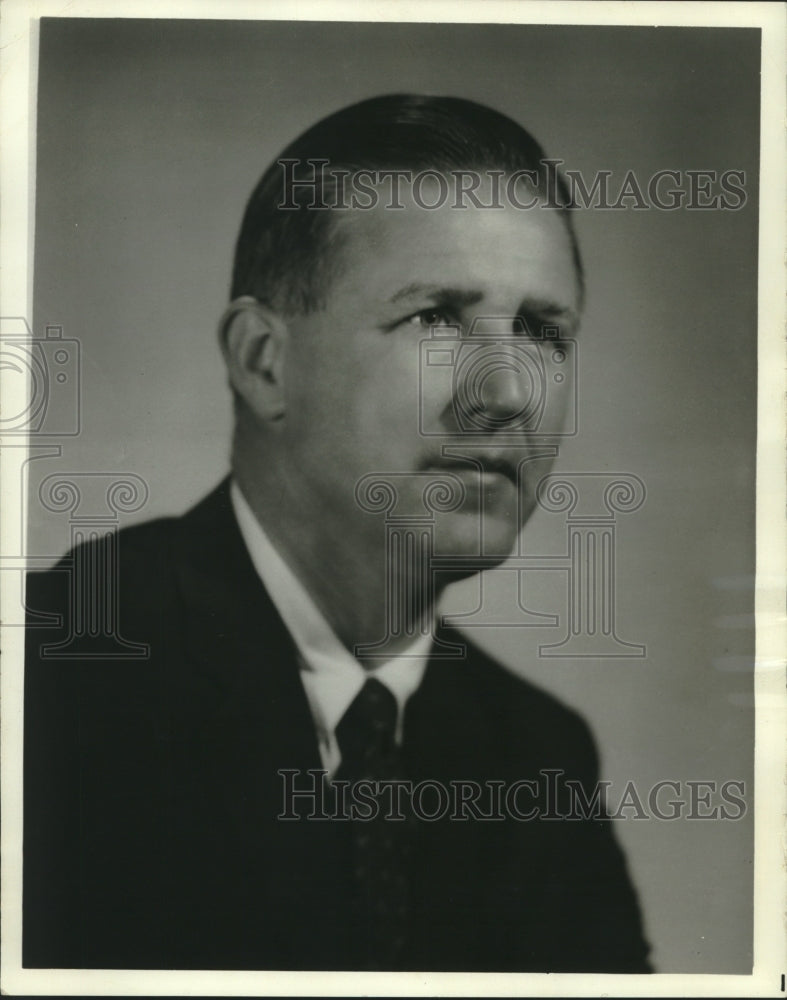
(381, 846)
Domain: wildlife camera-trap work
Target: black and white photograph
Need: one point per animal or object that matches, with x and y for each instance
(393, 475)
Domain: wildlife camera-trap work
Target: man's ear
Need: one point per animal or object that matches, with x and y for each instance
(253, 341)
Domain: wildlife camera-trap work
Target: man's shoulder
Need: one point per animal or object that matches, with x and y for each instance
(504, 684)
(521, 710)
(142, 549)
(147, 544)
(134, 581)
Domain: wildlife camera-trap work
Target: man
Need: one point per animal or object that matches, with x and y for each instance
(208, 806)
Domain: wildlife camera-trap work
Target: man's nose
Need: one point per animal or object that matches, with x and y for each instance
(496, 389)
(503, 392)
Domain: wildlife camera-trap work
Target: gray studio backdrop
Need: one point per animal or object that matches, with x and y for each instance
(152, 133)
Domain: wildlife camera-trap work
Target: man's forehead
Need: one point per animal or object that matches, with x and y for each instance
(393, 251)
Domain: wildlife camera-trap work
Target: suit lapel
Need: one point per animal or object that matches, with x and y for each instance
(447, 730)
(242, 661)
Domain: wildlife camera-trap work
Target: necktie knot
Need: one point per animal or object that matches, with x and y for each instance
(366, 733)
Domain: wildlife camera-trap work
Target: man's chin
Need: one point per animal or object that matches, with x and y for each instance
(474, 542)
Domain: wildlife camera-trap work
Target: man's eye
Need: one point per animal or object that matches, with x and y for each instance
(427, 318)
(541, 331)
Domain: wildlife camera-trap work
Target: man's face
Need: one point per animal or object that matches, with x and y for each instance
(364, 396)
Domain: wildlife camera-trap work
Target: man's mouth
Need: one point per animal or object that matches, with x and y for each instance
(479, 465)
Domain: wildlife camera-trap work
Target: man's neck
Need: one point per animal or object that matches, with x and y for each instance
(347, 578)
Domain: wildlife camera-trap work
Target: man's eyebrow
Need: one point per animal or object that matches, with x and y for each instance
(441, 293)
(546, 310)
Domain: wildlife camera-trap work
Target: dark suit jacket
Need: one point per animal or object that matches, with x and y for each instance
(151, 791)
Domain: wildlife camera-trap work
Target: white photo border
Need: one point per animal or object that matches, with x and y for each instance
(19, 47)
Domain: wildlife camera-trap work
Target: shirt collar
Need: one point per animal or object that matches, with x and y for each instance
(331, 674)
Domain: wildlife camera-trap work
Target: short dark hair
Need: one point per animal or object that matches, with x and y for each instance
(286, 258)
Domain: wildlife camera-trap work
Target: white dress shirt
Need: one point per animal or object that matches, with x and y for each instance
(331, 675)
